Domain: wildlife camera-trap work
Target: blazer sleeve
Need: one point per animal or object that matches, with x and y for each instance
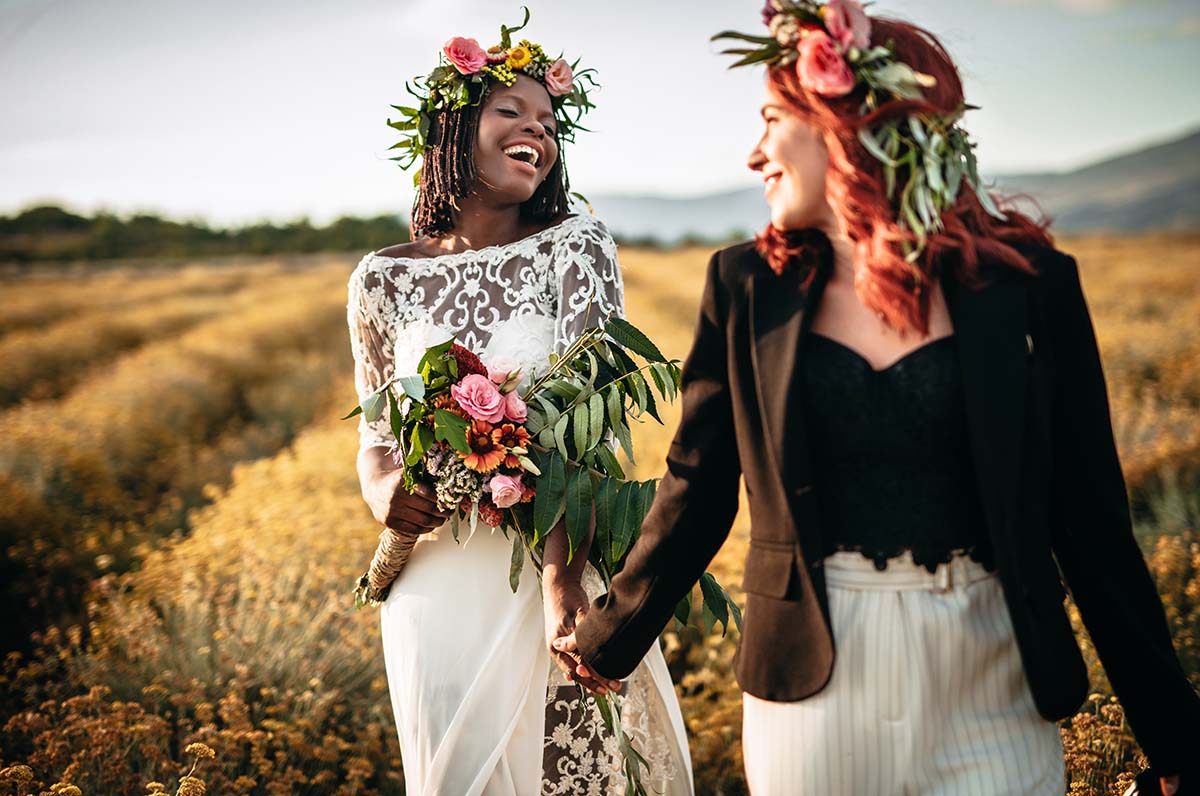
(693, 508)
(1096, 550)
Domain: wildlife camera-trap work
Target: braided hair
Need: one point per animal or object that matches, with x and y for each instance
(448, 174)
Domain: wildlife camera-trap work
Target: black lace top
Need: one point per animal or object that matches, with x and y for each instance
(892, 466)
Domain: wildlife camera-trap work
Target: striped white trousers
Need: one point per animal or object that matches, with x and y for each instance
(928, 695)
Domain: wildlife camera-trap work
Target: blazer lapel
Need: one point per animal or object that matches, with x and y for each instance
(991, 329)
(781, 312)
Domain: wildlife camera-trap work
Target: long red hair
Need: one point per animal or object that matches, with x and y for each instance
(883, 280)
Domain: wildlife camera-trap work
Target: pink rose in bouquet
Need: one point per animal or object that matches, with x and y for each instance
(479, 397)
(501, 367)
(515, 408)
(507, 490)
(465, 54)
(821, 67)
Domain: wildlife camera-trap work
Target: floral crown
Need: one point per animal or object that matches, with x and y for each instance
(465, 74)
(828, 44)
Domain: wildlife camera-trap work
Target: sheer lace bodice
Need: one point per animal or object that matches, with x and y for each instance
(542, 291)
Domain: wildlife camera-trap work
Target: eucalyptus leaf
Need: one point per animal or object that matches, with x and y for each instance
(372, 408)
(683, 609)
(579, 509)
(595, 419)
(413, 386)
(628, 335)
(624, 520)
(560, 435)
(551, 492)
(626, 440)
(606, 503)
(516, 563)
(579, 428)
(715, 600)
(608, 461)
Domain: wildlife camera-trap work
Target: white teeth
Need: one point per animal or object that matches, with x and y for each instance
(521, 148)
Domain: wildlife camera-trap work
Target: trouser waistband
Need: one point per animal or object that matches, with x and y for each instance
(853, 570)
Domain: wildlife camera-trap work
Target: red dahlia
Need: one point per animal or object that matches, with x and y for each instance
(468, 363)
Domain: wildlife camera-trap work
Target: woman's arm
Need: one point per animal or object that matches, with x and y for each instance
(692, 513)
(1096, 550)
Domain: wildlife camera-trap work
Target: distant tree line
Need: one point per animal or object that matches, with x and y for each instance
(50, 233)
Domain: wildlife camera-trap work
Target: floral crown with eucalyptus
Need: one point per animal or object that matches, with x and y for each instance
(465, 74)
(829, 46)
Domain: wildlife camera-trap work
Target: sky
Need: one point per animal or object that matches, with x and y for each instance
(233, 112)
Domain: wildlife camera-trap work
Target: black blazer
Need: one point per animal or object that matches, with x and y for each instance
(1050, 482)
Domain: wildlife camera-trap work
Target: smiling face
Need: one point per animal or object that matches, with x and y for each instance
(516, 147)
(792, 159)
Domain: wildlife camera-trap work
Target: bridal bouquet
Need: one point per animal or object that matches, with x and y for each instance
(523, 460)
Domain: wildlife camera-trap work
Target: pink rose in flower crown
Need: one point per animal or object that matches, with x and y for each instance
(465, 54)
(499, 368)
(506, 490)
(559, 79)
(479, 397)
(848, 24)
(821, 67)
(515, 408)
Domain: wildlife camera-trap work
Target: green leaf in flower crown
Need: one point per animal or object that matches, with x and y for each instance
(579, 428)
(579, 509)
(551, 491)
(516, 563)
(632, 338)
(552, 413)
(867, 139)
(451, 429)
(373, 407)
(595, 419)
(715, 602)
(733, 34)
(413, 386)
(356, 411)
(985, 198)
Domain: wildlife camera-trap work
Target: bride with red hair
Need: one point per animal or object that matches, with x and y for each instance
(903, 369)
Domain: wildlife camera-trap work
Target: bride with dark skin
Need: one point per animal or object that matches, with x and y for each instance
(506, 263)
(914, 397)
(516, 116)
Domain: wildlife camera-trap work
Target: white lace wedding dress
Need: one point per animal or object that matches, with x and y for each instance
(479, 707)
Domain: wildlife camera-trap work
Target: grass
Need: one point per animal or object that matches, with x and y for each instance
(239, 634)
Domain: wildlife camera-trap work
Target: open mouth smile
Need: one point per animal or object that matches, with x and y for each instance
(524, 154)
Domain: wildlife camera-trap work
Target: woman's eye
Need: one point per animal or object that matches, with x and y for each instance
(509, 111)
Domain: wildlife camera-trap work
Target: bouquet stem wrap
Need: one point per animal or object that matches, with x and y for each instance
(391, 555)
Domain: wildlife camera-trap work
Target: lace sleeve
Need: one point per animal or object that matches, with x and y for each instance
(589, 281)
(371, 343)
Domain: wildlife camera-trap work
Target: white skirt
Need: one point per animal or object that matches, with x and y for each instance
(928, 695)
(479, 709)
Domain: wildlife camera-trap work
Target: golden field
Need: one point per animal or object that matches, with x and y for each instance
(181, 523)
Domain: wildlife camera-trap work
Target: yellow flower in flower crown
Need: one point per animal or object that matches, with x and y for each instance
(519, 57)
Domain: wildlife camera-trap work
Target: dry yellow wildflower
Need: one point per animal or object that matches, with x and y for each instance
(155, 786)
(201, 750)
(191, 786)
(16, 774)
(65, 789)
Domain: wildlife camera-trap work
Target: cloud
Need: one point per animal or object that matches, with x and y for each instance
(1084, 7)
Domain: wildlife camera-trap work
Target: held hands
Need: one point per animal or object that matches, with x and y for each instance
(565, 604)
(567, 656)
(407, 512)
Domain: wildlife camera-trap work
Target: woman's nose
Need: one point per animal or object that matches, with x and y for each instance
(534, 128)
(757, 159)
